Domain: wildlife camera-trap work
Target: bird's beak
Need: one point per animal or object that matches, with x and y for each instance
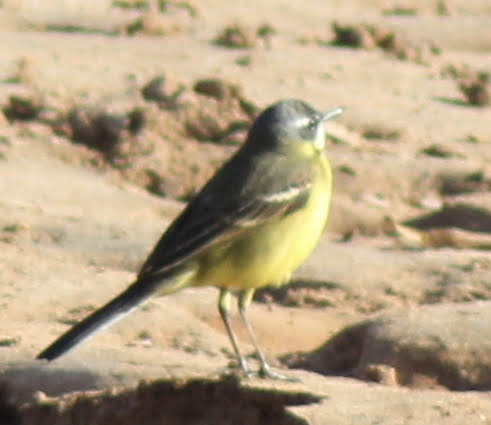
(332, 113)
(320, 138)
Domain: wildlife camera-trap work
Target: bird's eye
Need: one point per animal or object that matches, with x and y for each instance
(311, 124)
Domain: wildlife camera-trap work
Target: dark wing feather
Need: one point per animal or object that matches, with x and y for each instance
(238, 197)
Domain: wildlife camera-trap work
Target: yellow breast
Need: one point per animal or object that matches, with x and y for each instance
(270, 253)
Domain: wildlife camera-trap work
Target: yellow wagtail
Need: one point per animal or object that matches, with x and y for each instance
(251, 225)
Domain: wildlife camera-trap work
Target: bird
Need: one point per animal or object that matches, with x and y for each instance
(251, 225)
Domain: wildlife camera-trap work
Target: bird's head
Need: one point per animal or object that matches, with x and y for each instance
(290, 122)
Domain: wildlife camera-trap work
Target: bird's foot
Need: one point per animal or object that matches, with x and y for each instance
(266, 372)
(239, 370)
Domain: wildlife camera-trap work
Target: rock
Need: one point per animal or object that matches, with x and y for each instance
(446, 345)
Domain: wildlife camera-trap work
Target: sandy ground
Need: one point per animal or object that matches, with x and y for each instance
(387, 322)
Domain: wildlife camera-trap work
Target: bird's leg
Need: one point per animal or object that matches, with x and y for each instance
(224, 308)
(245, 298)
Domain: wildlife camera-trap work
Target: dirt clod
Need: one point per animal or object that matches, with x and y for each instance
(476, 91)
(22, 108)
(368, 36)
(237, 36)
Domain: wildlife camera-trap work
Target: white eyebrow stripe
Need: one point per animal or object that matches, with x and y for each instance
(302, 122)
(285, 195)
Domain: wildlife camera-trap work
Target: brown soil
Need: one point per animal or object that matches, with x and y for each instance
(112, 115)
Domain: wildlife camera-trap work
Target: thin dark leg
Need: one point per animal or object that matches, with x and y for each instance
(224, 308)
(245, 298)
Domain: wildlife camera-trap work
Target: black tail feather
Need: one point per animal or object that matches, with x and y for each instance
(109, 313)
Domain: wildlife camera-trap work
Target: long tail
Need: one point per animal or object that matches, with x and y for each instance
(114, 310)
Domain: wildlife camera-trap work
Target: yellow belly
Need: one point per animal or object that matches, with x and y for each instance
(270, 253)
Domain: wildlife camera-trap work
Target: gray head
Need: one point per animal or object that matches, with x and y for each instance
(289, 121)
